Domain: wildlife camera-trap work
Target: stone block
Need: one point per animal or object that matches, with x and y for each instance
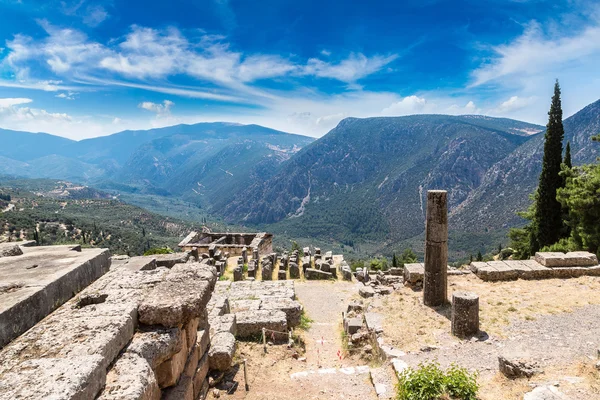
(312, 274)
(414, 273)
(184, 390)
(130, 378)
(374, 321)
(169, 371)
(291, 308)
(397, 271)
(218, 305)
(200, 375)
(571, 259)
(74, 378)
(250, 323)
(223, 323)
(294, 270)
(281, 275)
(238, 274)
(202, 342)
(191, 330)
(10, 250)
(516, 367)
(169, 260)
(42, 279)
(366, 291)
(245, 305)
(222, 349)
(172, 303)
(352, 325)
(157, 345)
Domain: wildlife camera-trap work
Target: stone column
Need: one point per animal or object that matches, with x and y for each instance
(435, 280)
(465, 314)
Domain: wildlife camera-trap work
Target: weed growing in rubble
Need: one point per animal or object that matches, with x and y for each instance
(305, 322)
(429, 382)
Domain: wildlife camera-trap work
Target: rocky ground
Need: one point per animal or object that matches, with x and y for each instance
(552, 323)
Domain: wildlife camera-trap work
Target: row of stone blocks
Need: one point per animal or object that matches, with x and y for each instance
(528, 269)
(139, 332)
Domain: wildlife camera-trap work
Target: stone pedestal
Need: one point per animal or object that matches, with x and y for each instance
(465, 314)
(237, 274)
(435, 281)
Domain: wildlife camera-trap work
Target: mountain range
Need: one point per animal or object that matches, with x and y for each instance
(364, 182)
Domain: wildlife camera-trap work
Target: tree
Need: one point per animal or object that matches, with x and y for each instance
(479, 256)
(580, 199)
(547, 219)
(567, 160)
(408, 256)
(394, 261)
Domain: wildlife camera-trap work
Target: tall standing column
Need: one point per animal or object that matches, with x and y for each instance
(435, 281)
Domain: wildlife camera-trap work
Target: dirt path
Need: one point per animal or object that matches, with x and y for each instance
(323, 375)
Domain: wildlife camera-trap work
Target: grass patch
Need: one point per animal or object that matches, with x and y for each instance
(305, 322)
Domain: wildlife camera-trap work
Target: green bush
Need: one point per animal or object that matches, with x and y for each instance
(430, 382)
(158, 250)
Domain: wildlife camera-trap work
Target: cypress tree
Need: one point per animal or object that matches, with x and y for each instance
(394, 261)
(567, 160)
(547, 220)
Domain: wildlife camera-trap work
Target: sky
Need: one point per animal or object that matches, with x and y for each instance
(82, 68)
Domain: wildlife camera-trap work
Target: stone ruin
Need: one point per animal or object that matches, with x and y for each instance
(139, 328)
(231, 243)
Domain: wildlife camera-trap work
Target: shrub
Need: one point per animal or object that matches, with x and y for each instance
(429, 382)
(158, 250)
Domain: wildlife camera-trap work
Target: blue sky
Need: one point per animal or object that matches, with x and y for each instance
(81, 68)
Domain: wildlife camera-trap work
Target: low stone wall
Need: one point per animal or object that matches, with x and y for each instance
(136, 333)
(256, 305)
(527, 269)
(37, 280)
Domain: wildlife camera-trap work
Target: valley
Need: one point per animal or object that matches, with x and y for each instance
(359, 189)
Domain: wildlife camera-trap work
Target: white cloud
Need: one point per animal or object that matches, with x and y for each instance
(408, 105)
(66, 95)
(535, 52)
(95, 15)
(515, 103)
(159, 109)
(158, 54)
(355, 67)
(11, 102)
(325, 52)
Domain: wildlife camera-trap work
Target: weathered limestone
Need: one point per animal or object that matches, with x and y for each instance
(281, 275)
(346, 272)
(527, 269)
(237, 274)
(366, 291)
(42, 279)
(169, 260)
(173, 302)
(352, 325)
(291, 308)
(156, 346)
(465, 314)
(169, 371)
(312, 273)
(435, 280)
(267, 271)
(571, 259)
(294, 270)
(516, 367)
(250, 323)
(223, 323)
(222, 349)
(131, 378)
(10, 250)
(414, 273)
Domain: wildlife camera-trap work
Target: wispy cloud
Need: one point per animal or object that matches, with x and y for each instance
(536, 51)
(147, 53)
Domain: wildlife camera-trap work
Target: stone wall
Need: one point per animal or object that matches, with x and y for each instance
(138, 332)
